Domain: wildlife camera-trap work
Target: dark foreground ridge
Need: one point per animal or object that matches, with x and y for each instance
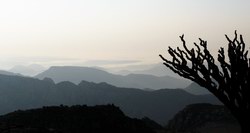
(204, 118)
(74, 119)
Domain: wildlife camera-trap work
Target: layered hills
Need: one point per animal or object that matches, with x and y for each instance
(18, 92)
(77, 74)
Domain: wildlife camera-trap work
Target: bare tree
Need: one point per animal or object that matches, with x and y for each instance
(230, 82)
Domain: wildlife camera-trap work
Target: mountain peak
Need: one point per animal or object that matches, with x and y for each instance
(29, 70)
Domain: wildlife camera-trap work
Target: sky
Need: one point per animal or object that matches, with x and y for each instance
(112, 32)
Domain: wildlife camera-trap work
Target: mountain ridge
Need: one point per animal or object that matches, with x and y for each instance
(142, 81)
(24, 93)
(29, 70)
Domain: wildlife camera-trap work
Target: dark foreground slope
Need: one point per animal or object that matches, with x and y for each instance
(75, 119)
(24, 93)
(204, 118)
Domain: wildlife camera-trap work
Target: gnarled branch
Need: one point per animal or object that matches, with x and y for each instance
(229, 82)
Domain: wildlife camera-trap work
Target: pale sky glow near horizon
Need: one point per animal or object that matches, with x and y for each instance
(73, 32)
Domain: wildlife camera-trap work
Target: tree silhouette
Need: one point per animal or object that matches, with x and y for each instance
(229, 82)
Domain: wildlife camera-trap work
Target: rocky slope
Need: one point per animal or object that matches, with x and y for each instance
(203, 118)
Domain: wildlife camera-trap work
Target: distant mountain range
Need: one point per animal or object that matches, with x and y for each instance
(9, 73)
(158, 69)
(29, 70)
(196, 89)
(17, 92)
(77, 74)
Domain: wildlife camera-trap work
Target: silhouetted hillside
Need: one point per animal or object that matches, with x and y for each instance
(75, 119)
(204, 118)
(78, 74)
(160, 105)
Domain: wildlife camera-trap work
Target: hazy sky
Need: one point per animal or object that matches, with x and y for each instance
(73, 32)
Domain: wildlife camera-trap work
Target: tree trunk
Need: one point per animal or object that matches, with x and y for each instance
(245, 127)
(244, 122)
